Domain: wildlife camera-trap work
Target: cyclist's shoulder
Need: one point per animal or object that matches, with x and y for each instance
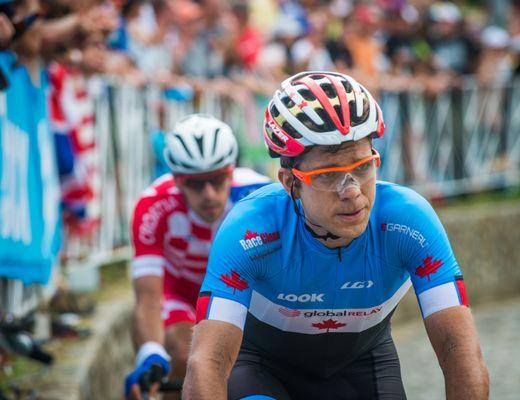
(161, 194)
(261, 207)
(246, 181)
(403, 205)
(266, 196)
(392, 197)
(246, 176)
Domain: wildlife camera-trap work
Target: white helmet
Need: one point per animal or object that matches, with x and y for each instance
(200, 143)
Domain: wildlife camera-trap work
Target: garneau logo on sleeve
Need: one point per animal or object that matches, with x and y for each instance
(400, 228)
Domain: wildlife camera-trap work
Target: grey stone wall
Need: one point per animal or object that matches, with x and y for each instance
(94, 367)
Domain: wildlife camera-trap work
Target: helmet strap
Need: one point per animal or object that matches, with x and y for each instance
(328, 235)
(293, 198)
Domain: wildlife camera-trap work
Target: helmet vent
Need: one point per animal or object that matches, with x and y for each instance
(309, 123)
(329, 90)
(215, 139)
(274, 111)
(286, 126)
(199, 140)
(307, 95)
(354, 119)
(327, 123)
(179, 138)
(337, 107)
(347, 85)
(286, 100)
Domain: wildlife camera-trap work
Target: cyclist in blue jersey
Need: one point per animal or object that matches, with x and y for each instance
(303, 276)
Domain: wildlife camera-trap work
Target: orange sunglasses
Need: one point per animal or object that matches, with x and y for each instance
(306, 176)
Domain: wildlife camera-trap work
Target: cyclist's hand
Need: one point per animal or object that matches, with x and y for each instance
(152, 364)
(137, 394)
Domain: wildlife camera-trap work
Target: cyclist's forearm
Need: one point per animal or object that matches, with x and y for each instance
(205, 380)
(466, 376)
(147, 324)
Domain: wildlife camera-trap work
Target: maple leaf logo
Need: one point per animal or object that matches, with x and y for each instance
(329, 324)
(250, 235)
(383, 227)
(428, 267)
(302, 105)
(235, 281)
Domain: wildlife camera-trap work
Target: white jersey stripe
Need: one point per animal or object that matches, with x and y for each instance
(438, 298)
(226, 310)
(316, 321)
(147, 265)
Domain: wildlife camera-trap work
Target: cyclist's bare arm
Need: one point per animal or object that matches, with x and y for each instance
(214, 351)
(454, 338)
(147, 322)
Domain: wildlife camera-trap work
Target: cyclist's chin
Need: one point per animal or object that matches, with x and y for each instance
(210, 214)
(348, 226)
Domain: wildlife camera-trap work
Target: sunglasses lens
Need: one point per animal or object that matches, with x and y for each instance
(198, 184)
(334, 181)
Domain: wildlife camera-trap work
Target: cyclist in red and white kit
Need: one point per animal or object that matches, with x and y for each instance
(173, 226)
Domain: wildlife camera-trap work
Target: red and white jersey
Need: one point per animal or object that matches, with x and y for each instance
(171, 241)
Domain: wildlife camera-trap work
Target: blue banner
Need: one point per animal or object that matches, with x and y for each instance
(29, 186)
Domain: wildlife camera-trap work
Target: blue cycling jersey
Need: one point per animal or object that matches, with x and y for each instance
(297, 299)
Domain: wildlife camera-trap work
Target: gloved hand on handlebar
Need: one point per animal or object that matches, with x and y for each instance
(149, 354)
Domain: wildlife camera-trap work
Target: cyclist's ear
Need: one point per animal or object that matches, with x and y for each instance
(289, 182)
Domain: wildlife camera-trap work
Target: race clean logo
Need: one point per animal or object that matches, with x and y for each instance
(303, 298)
(254, 239)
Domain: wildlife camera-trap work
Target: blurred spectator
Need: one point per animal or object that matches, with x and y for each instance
(310, 52)
(495, 65)
(277, 58)
(359, 37)
(129, 10)
(453, 49)
(151, 40)
(248, 41)
(200, 48)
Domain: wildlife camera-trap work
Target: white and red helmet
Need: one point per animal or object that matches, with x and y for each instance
(319, 108)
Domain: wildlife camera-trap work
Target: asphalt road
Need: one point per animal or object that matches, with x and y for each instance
(498, 325)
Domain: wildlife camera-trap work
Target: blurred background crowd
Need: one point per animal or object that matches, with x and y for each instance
(389, 44)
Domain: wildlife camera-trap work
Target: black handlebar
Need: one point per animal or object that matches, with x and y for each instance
(155, 375)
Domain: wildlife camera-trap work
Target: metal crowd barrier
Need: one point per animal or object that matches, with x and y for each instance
(459, 142)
